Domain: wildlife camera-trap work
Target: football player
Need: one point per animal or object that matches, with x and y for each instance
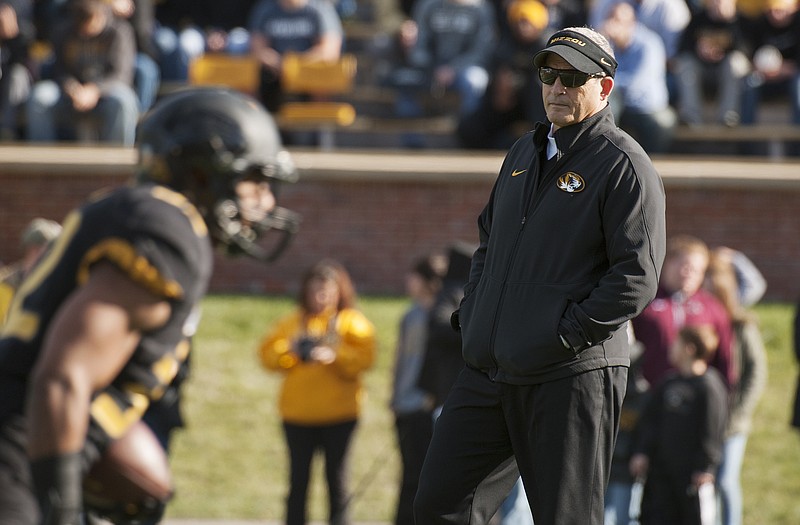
(101, 325)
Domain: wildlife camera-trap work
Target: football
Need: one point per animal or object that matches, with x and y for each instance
(132, 476)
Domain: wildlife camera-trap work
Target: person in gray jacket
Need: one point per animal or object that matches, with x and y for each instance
(571, 246)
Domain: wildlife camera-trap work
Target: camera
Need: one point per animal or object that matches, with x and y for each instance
(305, 345)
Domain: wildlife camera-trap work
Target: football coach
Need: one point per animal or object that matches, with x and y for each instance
(571, 245)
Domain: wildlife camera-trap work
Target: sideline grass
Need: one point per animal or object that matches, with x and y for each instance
(230, 462)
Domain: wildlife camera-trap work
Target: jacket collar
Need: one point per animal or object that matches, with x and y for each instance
(577, 135)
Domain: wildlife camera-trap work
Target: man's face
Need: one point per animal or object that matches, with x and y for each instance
(684, 273)
(566, 106)
(256, 200)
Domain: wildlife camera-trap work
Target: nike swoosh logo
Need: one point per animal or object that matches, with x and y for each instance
(604, 61)
(517, 172)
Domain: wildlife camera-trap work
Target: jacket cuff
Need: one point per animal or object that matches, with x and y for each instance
(572, 337)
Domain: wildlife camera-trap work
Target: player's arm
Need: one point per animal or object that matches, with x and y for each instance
(91, 338)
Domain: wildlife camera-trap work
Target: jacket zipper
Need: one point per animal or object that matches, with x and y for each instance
(526, 210)
(543, 177)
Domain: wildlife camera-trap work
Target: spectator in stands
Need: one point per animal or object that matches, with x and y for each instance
(455, 42)
(751, 363)
(668, 18)
(774, 39)
(16, 35)
(147, 74)
(93, 79)
(186, 29)
(682, 301)
(711, 58)
(140, 14)
(510, 103)
(311, 28)
(640, 100)
(393, 68)
(678, 444)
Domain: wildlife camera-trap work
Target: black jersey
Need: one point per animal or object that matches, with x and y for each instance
(158, 238)
(683, 425)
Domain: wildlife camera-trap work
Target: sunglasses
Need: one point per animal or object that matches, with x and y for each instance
(570, 78)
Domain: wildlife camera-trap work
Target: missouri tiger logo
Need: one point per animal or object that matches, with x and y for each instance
(571, 182)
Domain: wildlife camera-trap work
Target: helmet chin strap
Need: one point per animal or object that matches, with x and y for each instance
(240, 239)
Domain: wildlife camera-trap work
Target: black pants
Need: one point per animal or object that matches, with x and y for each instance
(667, 499)
(303, 442)
(561, 433)
(414, 432)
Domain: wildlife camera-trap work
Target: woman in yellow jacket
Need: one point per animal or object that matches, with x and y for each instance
(322, 348)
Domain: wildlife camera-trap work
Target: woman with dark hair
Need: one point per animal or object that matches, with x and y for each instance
(322, 348)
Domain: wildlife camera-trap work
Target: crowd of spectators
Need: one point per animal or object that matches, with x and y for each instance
(682, 62)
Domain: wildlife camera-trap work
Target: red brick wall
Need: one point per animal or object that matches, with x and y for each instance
(765, 224)
(378, 226)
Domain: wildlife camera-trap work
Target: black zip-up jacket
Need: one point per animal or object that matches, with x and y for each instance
(566, 256)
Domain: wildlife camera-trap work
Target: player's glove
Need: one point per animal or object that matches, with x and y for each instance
(57, 483)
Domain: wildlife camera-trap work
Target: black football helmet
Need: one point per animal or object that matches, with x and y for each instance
(201, 142)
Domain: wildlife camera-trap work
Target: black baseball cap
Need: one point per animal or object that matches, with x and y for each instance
(583, 54)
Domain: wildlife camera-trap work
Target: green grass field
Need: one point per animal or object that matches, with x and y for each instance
(230, 461)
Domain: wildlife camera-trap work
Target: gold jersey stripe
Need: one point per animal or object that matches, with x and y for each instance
(114, 419)
(123, 254)
(180, 201)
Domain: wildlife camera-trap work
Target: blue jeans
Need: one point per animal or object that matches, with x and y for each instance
(470, 83)
(176, 50)
(147, 79)
(755, 87)
(730, 483)
(51, 117)
(618, 503)
(15, 87)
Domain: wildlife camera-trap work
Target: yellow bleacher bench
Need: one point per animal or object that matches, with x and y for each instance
(240, 72)
(321, 82)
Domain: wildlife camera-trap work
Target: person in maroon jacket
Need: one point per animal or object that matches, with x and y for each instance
(682, 301)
